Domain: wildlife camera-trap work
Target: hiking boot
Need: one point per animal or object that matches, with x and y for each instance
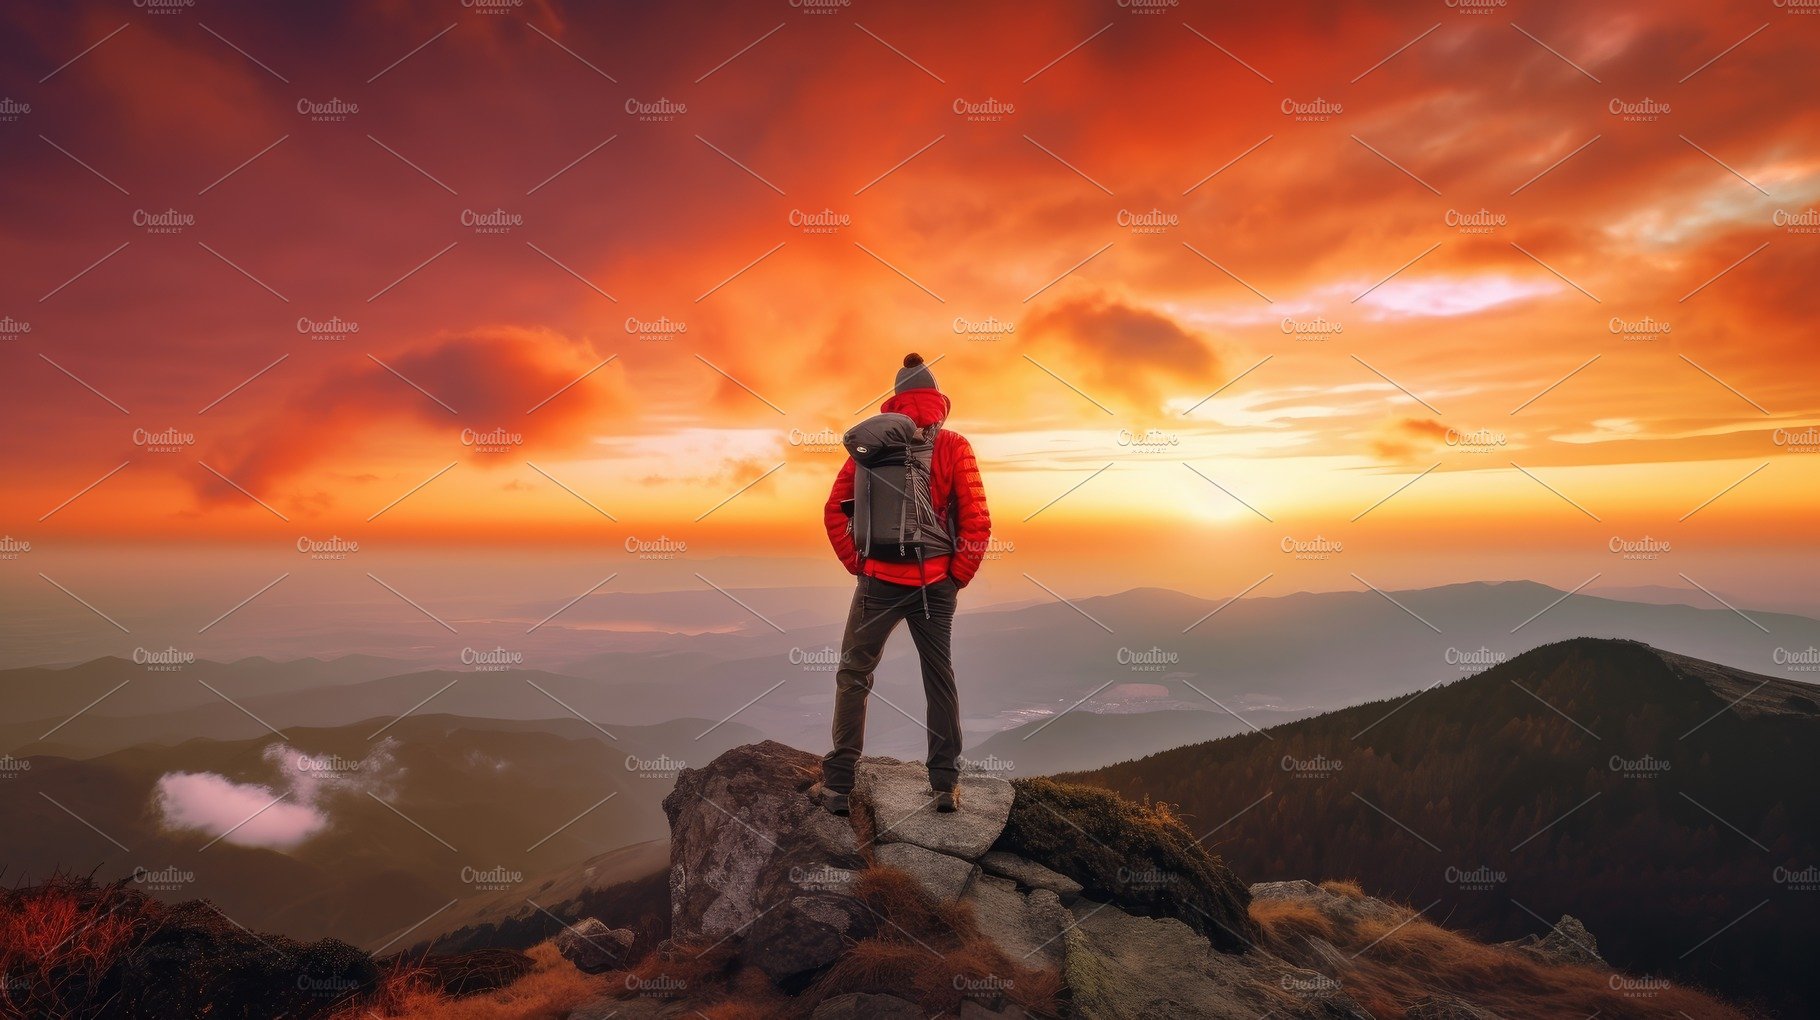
(947, 801)
(834, 803)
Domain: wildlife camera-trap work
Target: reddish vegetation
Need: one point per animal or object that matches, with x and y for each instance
(1397, 967)
(551, 989)
(58, 940)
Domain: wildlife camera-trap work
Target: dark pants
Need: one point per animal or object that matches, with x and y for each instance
(877, 608)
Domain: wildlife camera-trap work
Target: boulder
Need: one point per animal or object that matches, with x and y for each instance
(1123, 967)
(864, 1006)
(1030, 874)
(752, 856)
(593, 947)
(1027, 929)
(903, 808)
(943, 877)
(1567, 942)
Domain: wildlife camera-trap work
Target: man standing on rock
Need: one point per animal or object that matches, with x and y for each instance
(908, 517)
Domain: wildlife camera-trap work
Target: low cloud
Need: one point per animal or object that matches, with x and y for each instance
(252, 814)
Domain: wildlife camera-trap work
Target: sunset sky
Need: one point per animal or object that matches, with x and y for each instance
(1097, 216)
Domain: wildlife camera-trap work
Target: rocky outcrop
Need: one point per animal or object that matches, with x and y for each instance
(1030, 874)
(751, 856)
(943, 877)
(593, 947)
(1567, 942)
(903, 808)
(867, 1006)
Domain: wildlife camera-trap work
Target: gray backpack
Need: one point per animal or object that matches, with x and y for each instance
(894, 516)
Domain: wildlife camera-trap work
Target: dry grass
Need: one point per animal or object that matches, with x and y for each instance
(1398, 966)
(58, 939)
(1344, 887)
(551, 989)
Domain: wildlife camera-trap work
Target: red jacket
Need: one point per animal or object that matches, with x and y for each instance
(954, 481)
